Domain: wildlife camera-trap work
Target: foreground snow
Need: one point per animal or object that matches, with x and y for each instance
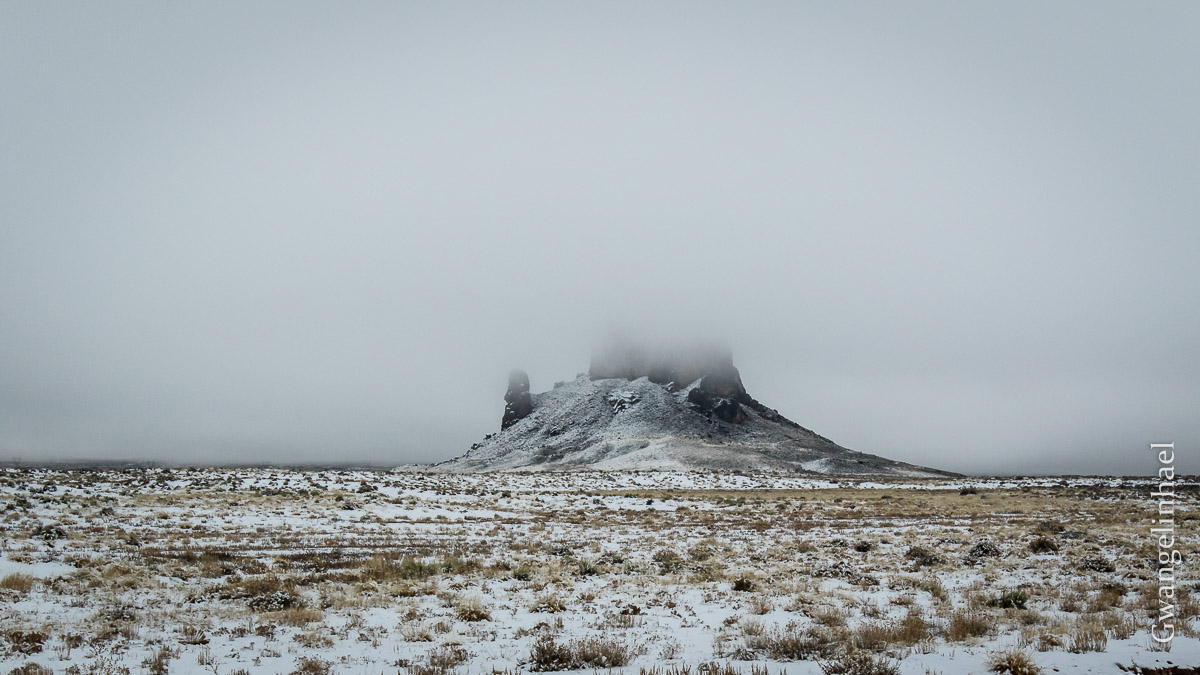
(275, 571)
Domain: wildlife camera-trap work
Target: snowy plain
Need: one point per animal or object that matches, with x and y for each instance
(225, 571)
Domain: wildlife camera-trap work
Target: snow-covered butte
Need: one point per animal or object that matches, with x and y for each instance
(619, 423)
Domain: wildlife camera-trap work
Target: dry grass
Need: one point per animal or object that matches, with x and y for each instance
(1013, 661)
(471, 609)
(21, 583)
(593, 652)
(1087, 636)
(966, 623)
(412, 548)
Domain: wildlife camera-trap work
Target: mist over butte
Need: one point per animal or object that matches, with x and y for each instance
(660, 406)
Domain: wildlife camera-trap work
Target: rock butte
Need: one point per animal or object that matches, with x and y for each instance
(664, 408)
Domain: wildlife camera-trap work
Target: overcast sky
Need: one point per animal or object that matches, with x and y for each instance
(957, 234)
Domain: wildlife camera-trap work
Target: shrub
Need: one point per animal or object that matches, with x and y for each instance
(190, 634)
(446, 658)
(982, 549)
(21, 583)
(880, 635)
(548, 655)
(668, 561)
(416, 633)
(548, 603)
(31, 669)
(934, 588)
(793, 642)
(313, 639)
(1009, 600)
(472, 609)
(596, 652)
(602, 652)
(1013, 661)
(380, 568)
(1087, 637)
(760, 604)
(454, 564)
(1048, 641)
(1096, 564)
(922, 556)
(275, 601)
(49, 533)
(1043, 545)
(24, 642)
(1049, 527)
(159, 662)
(311, 665)
(860, 663)
(966, 623)
(299, 616)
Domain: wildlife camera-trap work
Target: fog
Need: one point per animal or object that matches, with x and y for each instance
(954, 234)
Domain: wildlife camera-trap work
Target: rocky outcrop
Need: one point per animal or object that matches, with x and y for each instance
(517, 401)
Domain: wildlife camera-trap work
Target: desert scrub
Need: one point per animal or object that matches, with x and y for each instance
(445, 659)
(1087, 636)
(830, 615)
(297, 616)
(1043, 545)
(793, 642)
(594, 652)
(743, 584)
(882, 635)
(760, 604)
(275, 601)
(159, 662)
(984, 548)
(311, 665)
(1096, 564)
(966, 623)
(922, 557)
(382, 568)
(1009, 600)
(24, 642)
(1013, 661)
(30, 668)
(17, 582)
(471, 610)
(859, 663)
(669, 562)
(548, 602)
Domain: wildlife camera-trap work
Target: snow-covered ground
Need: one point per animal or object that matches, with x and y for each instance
(278, 571)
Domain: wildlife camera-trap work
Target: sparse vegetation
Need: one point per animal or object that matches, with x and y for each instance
(860, 663)
(596, 652)
(1012, 661)
(21, 583)
(556, 572)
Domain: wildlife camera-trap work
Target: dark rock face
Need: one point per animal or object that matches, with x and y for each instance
(727, 409)
(517, 401)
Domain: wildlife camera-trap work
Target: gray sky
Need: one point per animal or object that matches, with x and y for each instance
(958, 234)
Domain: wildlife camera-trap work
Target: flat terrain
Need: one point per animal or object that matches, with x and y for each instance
(278, 571)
